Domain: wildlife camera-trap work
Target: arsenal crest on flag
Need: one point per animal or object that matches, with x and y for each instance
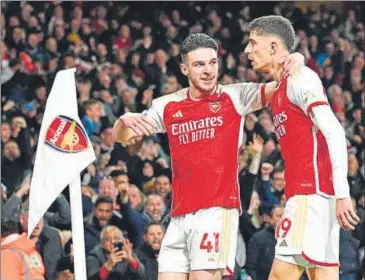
(66, 135)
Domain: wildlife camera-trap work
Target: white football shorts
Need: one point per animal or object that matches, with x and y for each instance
(308, 232)
(203, 240)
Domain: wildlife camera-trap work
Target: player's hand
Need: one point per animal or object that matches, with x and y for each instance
(292, 64)
(346, 214)
(141, 125)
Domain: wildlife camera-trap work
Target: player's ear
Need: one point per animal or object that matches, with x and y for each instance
(184, 69)
(273, 48)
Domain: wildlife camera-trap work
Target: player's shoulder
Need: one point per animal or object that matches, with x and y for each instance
(231, 87)
(176, 96)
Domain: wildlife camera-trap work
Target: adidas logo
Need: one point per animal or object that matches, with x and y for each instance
(178, 114)
(283, 244)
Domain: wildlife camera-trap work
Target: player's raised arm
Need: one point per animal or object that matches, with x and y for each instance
(306, 91)
(132, 125)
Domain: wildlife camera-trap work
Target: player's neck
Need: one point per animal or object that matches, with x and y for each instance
(277, 72)
(277, 69)
(197, 94)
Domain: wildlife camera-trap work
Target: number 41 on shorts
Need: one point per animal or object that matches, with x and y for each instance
(206, 244)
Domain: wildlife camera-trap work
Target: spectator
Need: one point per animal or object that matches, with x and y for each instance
(162, 187)
(91, 120)
(96, 221)
(271, 192)
(349, 256)
(107, 140)
(107, 261)
(148, 253)
(59, 214)
(108, 188)
(135, 198)
(155, 211)
(261, 248)
(16, 158)
(19, 257)
(355, 179)
(48, 243)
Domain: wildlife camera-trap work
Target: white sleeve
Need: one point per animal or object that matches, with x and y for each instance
(306, 90)
(156, 112)
(323, 117)
(246, 97)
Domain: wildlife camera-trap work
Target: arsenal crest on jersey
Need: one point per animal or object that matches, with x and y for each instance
(66, 135)
(215, 106)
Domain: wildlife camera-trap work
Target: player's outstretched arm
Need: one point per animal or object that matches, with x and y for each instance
(326, 121)
(132, 125)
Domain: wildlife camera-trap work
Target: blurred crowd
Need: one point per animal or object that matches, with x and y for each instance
(127, 54)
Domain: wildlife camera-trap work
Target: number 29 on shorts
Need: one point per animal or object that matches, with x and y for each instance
(283, 226)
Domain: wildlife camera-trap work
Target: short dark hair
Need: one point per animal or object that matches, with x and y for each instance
(103, 199)
(153, 224)
(273, 208)
(89, 103)
(117, 173)
(163, 175)
(195, 41)
(8, 226)
(278, 169)
(275, 25)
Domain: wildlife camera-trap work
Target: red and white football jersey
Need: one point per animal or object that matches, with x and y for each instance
(304, 149)
(205, 136)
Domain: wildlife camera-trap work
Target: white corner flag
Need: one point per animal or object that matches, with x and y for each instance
(63, 151)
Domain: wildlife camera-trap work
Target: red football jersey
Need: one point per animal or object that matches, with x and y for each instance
(304, 149)
(204, 137)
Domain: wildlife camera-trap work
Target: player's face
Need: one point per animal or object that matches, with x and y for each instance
(201, 68)
(258, 51)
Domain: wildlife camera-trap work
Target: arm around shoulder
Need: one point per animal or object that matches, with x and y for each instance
(132, 125)
(122, 133)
